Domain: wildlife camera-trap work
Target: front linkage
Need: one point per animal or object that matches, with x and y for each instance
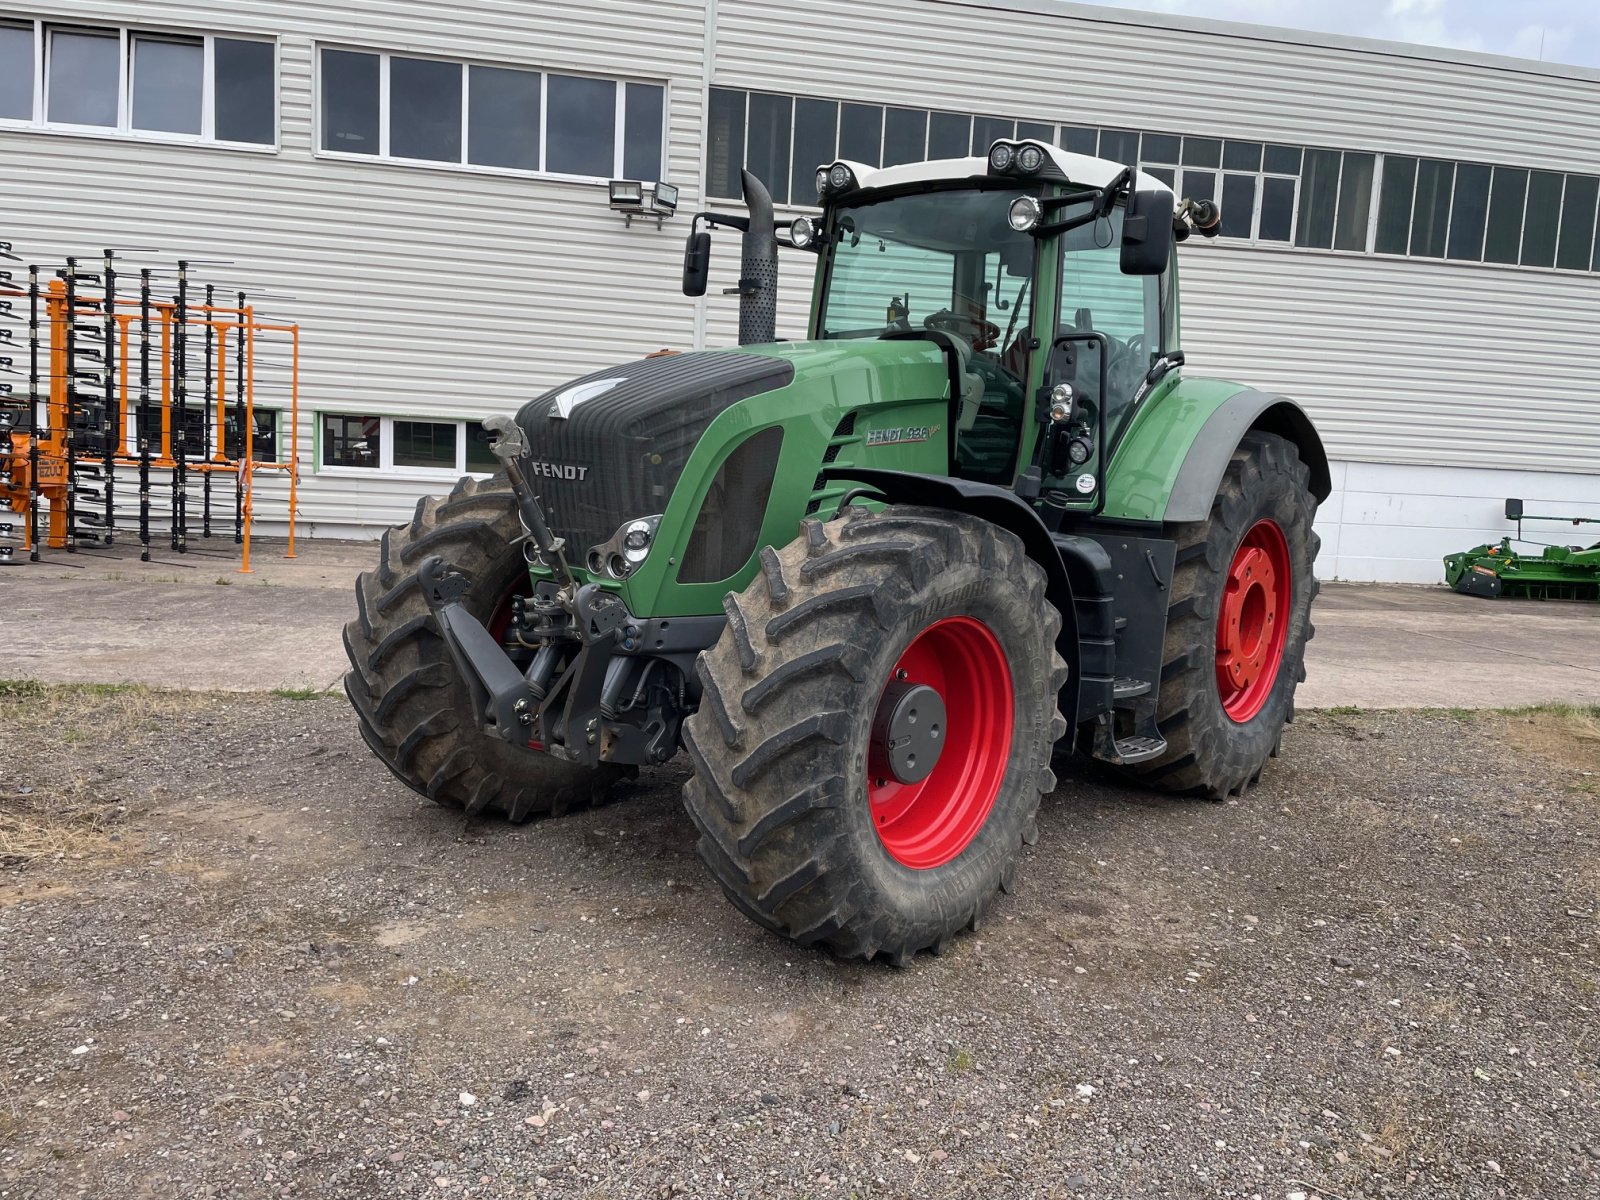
(603, 685)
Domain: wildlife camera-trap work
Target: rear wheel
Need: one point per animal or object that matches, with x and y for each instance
(1238, 624)
(416, 714)
(875, 730)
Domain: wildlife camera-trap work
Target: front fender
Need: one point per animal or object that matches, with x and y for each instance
(998, 506)
(1171, 463)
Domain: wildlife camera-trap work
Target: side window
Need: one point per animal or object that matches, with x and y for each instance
(1097, 298)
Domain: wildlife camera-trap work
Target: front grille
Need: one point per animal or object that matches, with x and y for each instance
(618, 452)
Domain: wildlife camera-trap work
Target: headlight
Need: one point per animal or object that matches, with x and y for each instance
(1024, 213)
(627, 549)
(839, 177)
(1000, 156)
(802, 231)
(1062, 402)
(1030, 159)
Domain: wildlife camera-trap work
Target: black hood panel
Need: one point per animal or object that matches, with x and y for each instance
(610, 446)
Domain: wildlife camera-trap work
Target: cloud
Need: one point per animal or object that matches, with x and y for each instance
(1554, 30)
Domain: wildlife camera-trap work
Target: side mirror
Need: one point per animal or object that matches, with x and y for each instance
(697, 263)
(1146, 233)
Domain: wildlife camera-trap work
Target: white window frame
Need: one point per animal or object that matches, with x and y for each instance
(466, 64)
(386, 466)
(124, 130)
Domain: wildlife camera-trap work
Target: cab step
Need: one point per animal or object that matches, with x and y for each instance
(1126, 688)
(1139, 748)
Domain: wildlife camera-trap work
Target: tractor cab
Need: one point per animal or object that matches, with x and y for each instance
(1046, 276)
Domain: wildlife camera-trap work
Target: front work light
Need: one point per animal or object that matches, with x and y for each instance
(802, 231)
(839, 177)
(1029, 159)
(1024, 213)
(1000, 155)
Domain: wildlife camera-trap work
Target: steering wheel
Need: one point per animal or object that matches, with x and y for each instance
(982, 334)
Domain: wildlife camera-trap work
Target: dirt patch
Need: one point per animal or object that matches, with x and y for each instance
(1567, 735)
(1374, 976)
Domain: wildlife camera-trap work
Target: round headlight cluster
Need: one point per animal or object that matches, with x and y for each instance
(802, 231)
(627, 549)
(1011, 158)
(835, 179)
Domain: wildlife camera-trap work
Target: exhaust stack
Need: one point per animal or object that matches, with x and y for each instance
(758, 268)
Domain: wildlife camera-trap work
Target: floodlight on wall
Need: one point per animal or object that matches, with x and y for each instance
(627, 195)
(664, 200)
(632, 199)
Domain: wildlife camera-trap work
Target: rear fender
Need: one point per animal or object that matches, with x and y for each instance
(999, 507)
(1171, 463)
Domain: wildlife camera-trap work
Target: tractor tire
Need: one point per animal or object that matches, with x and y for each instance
(810, 826)
(416, 713)
(1237, 626)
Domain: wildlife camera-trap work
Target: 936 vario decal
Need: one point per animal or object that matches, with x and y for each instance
(900, 434)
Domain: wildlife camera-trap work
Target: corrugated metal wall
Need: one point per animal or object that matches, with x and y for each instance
(448, 293)
(419, 291)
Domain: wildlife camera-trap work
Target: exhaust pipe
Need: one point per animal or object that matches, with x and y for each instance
(758, 268)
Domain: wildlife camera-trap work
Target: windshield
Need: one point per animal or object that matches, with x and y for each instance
(948, 262)
(944, 260)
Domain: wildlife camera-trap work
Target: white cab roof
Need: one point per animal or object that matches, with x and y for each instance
(1078, 168)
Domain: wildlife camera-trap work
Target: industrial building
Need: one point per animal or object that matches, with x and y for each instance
(1409, 241)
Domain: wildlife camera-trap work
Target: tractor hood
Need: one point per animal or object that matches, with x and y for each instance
(610, 446)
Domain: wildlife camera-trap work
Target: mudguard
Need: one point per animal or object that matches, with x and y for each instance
(1172, 460)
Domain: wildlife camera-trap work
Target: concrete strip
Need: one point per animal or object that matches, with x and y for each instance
(193, 621)
(1383, 646)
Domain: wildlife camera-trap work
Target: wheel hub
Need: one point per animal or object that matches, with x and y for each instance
(1253, 620)
(939, 742)
(908, 731)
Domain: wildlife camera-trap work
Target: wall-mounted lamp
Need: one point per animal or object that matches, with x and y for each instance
(632, 199)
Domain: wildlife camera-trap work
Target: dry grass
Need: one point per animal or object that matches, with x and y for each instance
(1565, 734)
(65, 813)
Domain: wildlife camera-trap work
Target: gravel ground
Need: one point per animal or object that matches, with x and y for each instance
(237, 959)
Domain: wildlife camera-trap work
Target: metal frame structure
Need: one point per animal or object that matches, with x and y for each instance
(63, 436)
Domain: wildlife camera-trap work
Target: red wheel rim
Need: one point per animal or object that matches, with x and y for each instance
(1254, 621)
(928, 823)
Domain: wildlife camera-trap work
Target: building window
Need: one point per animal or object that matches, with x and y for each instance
(165, 86)
(263, 435)
(1314, 198)
(447, 447)
(426, 444)
(783, 139)
(349, 441)
(168, 83)
(427, 110)
(480, 459)
(83, 77)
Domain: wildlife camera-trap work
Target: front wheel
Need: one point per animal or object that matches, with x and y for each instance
(1237, 625)
(415, 711)
(875, 730)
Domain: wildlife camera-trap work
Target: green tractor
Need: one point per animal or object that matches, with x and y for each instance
(878, 584)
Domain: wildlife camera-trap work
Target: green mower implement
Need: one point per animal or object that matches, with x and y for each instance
(881, 584)
(1557, 573)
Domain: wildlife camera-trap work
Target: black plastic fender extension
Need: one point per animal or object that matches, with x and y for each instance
(1001, 507)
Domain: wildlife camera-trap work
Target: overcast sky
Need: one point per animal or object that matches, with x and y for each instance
(1560, 31)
